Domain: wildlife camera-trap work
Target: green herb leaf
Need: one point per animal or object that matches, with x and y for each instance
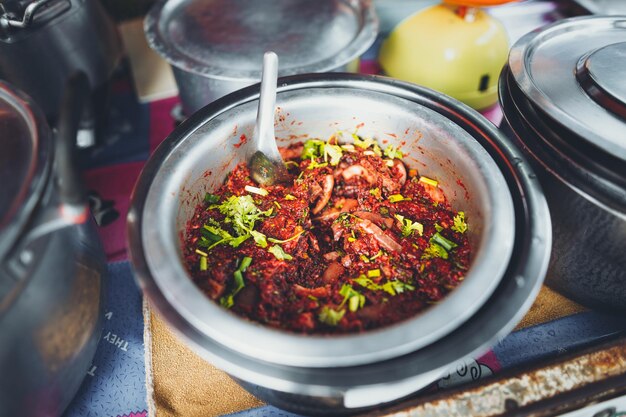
(331, 317)
(409, 226)
(211, 198)
(459, 223)
(392, 287)
(313, 148)
(434, 251)
(393, 152)
(259, 238)
(271, 239)
(279, 253)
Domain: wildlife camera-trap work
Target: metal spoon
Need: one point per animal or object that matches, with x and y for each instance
(266, 165)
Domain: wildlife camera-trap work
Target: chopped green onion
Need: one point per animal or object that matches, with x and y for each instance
(353, 304)
(354, 298)
(312, 297)
(373, 273)
(393, 152)
(364, 259)
(438, 227)
(201, 253)
(428, 181)
(459, 223)
(362, 143)
(277, 205)
(203, 263)
(229, 300)
(331, 317)
(245, 263)
(389, 162)
(443, 242)
(380, 252)
(256, 190)
(395, 198)
(289, 197)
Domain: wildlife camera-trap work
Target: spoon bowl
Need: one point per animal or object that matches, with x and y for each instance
(265, 163)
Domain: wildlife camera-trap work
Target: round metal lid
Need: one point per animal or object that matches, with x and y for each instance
(574, 71)
(226, 39)
(23, 163)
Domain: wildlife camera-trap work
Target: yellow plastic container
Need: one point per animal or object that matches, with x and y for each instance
(461, 56)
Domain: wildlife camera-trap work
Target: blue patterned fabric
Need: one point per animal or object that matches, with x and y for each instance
(115, 384)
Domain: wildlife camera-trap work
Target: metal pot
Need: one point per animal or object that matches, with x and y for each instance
(217, 47)
(444, 139)
(564, 103)
(43, 42)
(51, 260)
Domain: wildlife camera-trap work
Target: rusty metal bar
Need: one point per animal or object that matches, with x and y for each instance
(557, 386)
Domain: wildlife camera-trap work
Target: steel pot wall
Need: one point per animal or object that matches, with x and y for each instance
(588, 262)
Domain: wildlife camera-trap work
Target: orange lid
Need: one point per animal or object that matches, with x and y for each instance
(477, 3)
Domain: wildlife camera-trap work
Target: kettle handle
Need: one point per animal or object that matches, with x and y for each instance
(73, 103)
(73, 207)
(29, 13)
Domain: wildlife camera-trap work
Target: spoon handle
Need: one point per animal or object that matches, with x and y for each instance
(267, 106)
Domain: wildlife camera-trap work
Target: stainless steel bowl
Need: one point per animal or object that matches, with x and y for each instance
(216, 47)
(444, 139)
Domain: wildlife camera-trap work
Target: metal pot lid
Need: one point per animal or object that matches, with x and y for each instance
(226, 39)
(574, 71)
(24, 162)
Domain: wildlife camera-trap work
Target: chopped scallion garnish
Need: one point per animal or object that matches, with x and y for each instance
(396, 198)
(256, 190)
(428, 181)
(373, 273)
(203, 263)
(393, 152)
(201, 253)
(443, 242)
(331, 317)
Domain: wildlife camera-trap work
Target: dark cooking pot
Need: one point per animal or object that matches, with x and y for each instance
(51, 261)
(564, 100)
(481, 172)
(43, 42)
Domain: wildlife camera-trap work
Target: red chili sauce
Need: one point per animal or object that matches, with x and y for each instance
(355, 242)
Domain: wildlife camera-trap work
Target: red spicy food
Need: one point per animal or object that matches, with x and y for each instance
(355, 242)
